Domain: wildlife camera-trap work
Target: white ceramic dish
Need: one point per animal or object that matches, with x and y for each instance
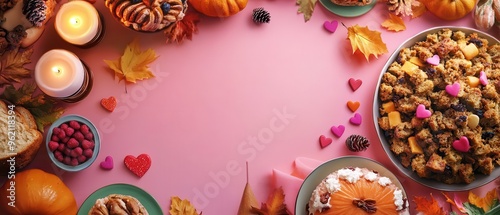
(323, 170)
(480, 179)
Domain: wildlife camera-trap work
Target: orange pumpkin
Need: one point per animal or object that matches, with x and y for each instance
(219, 8)
(450, 9)
(34, 191)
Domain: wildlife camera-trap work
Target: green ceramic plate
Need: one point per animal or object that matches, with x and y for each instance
(347, 11)
(125, 189)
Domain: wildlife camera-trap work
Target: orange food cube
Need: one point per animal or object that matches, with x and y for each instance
(388, 107)
(473, 81)
(409, 68)
(470, 51)
(416, 61)
(414, 147)
(394, 119)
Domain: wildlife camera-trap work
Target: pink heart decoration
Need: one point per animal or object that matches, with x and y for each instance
(338, 131)
(434, 60)
(356, 119)
(453, 89)
(324, 141)
(331, 26)
(483, 79)
(355, 83)
(422, 113)
(107, 164)
(462, 144)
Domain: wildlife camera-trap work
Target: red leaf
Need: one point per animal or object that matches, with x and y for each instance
(183, 29)
(428, 206)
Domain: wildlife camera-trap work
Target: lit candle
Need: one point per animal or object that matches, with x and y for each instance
(59, 73)
(78, 22)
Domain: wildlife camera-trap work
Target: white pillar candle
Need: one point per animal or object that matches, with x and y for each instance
(59, 73)
(77, 22)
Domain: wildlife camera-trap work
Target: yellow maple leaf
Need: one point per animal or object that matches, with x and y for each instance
(418, 9)
(180, 206)
(306, 7)
(486, 202)
(367, 41)
(394, 23)
(133, 65)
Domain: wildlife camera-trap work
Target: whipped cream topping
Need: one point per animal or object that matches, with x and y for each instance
(320, 199)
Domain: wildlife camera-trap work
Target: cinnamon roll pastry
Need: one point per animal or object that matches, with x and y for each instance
(116, 204)
(147, 15)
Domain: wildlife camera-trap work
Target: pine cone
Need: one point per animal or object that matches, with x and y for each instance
(35, 11)
(260, 15)
(357, 143)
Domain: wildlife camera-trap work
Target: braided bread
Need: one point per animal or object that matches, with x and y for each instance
(147, 15)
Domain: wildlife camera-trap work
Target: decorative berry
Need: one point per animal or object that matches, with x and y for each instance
(74, 162)
(81, 158)
(67, 160)
(72, 143)
(56, 130)
(165, 7)
(357, 143)
(65, 140)
(89, 136)
(35, 11)
(54, 138)
(61, 134)
(67, 151)
(76, 152)
(88, 153)
(84, 129)
(87, 144)
(63, 126)
(260, 15)
(53, 145)
(74, 124)
(61, 147)
(78, 136)
(69, 131)
(59, 156)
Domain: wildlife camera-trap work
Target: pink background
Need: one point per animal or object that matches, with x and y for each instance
(213, 94)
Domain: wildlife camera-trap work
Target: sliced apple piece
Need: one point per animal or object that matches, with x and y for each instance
(414, 147)
(394, 119)
(473, 81)
(388, 107)
(470, 51)
(409, 68)
(416, 61)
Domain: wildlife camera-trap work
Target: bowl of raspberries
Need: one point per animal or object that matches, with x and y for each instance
(73, 143)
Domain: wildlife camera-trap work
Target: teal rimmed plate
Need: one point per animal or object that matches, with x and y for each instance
(347, 11)
(125, 189)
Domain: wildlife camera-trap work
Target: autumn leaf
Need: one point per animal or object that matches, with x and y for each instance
(418, 9)
(248, 200)
(44, 109)
(12, 66)
(181, 207)
(366, 41)
(394, 23)
(133, 65)
(183, 29)
(457, 202)
(306, 7)
(487, 202)
(274, 206)
(426, 206)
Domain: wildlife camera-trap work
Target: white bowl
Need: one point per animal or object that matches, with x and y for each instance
(480, 179)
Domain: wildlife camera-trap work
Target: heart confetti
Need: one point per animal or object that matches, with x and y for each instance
(109, 103)
(338, 130)
(331, 26)
(422, 113)
(107, 164)
(453, 89)
(483, 79)
(353, 106)
(434, 60)
(461, 145)
(139, 165)
(355, 83)
(356, 119)
(324, 141)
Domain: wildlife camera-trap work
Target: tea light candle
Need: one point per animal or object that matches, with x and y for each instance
(59, 73)
(77, 22)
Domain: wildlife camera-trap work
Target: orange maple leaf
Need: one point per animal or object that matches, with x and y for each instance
(418, 9)
(275, 204)
(428, 206)
(366, 41)
(486, 203)
(394, 23)
(455, 202)
(183, 29)
(181, 207)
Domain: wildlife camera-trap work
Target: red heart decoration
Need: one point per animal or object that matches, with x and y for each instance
(355, 83)
(139, 165)
(109, 103)
(324, 141)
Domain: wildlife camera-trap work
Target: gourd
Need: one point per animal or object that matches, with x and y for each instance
(449, 9)
(219, 8)
(484, 15)
(34, 191)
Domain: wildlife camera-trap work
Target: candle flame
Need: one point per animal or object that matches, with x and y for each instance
(56, 70)
(75, 21)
